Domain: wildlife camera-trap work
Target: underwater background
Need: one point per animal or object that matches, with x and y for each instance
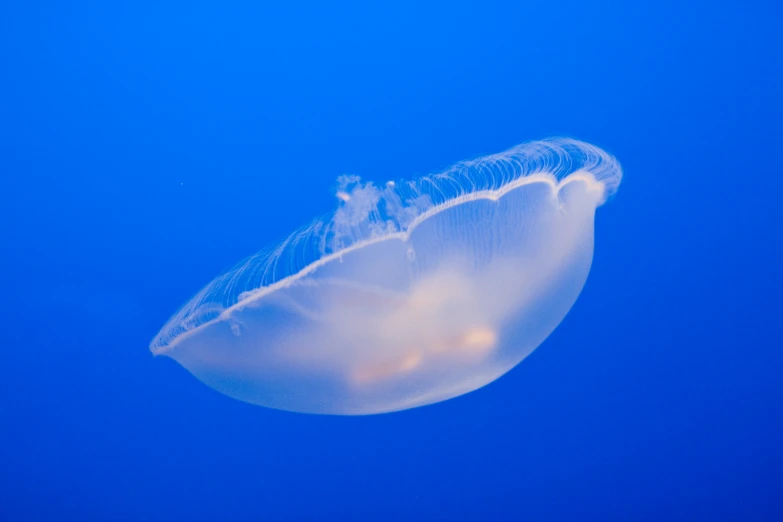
(147, 146)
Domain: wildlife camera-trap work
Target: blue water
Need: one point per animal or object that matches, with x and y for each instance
(144, 148)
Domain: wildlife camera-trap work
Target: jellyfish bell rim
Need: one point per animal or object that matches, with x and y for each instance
(246, 298)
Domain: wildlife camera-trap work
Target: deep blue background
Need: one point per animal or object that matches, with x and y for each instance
(145, 147)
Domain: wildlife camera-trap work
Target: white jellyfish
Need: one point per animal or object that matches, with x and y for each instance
(412, 292)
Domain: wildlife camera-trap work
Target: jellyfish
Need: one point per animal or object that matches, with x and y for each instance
(409, 293)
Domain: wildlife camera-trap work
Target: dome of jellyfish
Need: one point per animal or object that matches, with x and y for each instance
(410, 292)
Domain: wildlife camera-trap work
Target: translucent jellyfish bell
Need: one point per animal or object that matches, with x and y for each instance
(410, 293)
